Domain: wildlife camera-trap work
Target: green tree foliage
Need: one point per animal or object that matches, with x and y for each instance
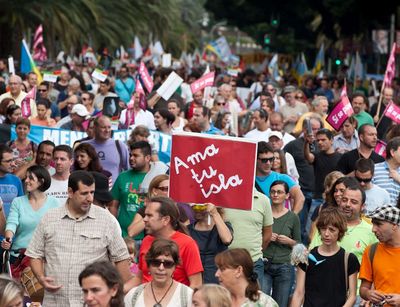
(70, 23)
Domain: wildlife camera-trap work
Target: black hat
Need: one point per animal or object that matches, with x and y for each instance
(102, 191)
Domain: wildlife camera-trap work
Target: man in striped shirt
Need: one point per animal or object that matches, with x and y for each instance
(387, 174)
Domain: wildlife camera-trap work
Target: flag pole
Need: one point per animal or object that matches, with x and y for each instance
(378, 110)
(381, 117)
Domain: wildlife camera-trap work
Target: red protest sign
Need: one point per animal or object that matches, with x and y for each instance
(342, 111)
(216, 169)
(393, 112)
(204, 81)
(144, 74)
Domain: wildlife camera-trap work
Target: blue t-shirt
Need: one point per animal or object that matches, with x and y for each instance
(10, 188)
(265, 181)
(213, 131)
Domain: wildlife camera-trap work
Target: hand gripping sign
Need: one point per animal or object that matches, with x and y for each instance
(216, 169)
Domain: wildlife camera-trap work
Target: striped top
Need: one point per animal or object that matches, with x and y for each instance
(382, 179)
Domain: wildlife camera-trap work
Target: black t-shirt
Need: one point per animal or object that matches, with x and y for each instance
(385, 123)
(348, 160)
(305, 169)
(323, 165)
(210, 245)
(325, 283)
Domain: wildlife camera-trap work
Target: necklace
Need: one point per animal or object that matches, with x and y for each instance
(158, 303)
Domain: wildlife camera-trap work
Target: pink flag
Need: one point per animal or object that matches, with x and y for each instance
(380, 148)
(390, 68)
(204, 81)
(39, 50)
(392, 111)
(342, 111)
(144, 74)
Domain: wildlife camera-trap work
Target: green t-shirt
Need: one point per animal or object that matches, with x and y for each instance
(288, 225)
(248, 225)
(126, 190)
(363, 118)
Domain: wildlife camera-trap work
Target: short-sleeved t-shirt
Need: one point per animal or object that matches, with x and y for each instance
(127, 191)
(386, 268)
(266, 181)
(10, 188)
(248, 225)
(347, 162)
(325, 281)
(188, 253)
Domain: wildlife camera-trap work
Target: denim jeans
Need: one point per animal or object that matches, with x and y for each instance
(303, 215)
(278, 278)
(259, 269)
(315, 203)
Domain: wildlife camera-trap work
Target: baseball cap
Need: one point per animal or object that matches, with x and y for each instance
(277, 134)
(386, 213)
(81, 110)
(288, 89)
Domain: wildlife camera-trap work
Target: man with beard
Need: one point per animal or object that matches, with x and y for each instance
(359, 104)
(131, 186)
(368, 137)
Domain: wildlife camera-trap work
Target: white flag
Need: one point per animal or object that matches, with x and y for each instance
(138, 48)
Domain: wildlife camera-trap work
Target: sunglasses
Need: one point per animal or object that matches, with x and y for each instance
(265, 160)
(164, 189)
(221, 103)
(157, 262)
(366, 180)
(39, 90)
(199, 208)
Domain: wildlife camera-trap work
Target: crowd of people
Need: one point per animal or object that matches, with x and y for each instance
(95, 220)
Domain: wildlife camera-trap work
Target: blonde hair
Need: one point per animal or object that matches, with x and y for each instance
(9, 290)
(215, 295)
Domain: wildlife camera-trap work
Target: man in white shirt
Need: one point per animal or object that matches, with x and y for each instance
(261, 131)
(375, 196)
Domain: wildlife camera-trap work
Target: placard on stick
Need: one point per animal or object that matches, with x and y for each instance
(216, 169)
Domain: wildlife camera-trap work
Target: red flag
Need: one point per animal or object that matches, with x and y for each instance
(390, 68)
(39, 50)
(392, 111)
(145, 76)
(342, 111)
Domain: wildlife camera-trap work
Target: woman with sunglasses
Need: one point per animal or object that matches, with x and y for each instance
(162, 290)
(212, 234)
(26, 211)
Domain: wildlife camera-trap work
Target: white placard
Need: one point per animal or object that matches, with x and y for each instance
(166, 60)
(50, 78)
(11, 68)
(99, 75)
(170, 85)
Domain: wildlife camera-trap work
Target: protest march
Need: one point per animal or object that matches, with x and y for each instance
(140, 178)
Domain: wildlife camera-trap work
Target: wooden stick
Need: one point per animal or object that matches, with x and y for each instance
(378, 110)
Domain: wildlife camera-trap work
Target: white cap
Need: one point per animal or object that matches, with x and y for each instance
(81, 110)
(277, 134)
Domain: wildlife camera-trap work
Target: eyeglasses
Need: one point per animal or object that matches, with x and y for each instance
(157, 262)
(265, 160)
(276, 192)
(164, 189)
(366, 180)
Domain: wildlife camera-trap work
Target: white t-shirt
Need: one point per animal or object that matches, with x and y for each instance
(59, 190)
(144, 118)
(175, 300)
(258, 135)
